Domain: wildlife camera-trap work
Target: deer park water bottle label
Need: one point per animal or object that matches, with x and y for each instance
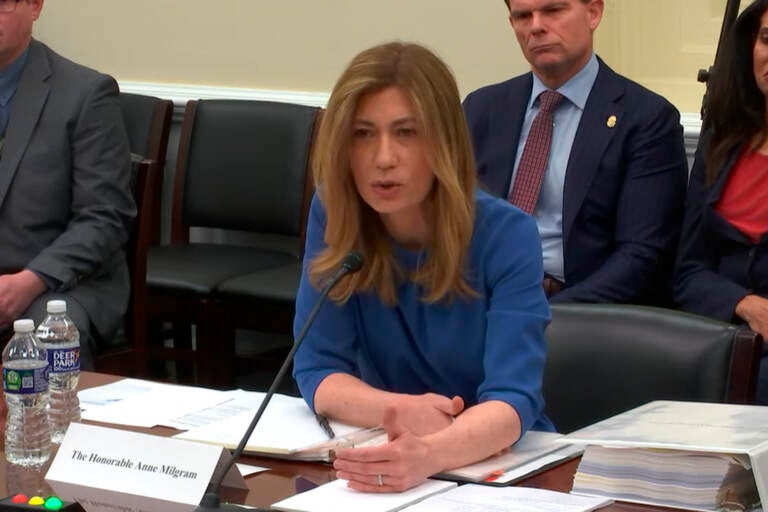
(61, 360)
(25, 381)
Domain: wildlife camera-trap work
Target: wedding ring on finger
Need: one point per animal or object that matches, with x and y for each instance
(380, 480)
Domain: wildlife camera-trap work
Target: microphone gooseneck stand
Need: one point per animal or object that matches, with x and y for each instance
(211, 501)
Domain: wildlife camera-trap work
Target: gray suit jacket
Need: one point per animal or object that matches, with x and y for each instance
(65, 197)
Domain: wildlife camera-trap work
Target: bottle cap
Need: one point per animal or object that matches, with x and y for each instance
(24, 325)
(56, 306)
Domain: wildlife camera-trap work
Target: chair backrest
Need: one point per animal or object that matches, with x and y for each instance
(127, 353)
(147, 183)
(605, 359)
(242, 165)
(148, 123)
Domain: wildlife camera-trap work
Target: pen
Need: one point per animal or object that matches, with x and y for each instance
(323, 422)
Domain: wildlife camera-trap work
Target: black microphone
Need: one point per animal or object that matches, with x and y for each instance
(351, 263)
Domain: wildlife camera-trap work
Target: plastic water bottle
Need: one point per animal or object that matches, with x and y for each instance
(25, 382)
(60, 337)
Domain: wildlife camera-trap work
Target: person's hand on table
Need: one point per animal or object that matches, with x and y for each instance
(403, 462)
(426, 413)
(17, 291)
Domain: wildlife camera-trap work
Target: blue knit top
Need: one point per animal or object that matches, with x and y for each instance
(486, 348)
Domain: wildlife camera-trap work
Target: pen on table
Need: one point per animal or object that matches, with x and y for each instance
(323, 422)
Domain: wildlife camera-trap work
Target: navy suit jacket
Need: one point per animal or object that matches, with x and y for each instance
(624, 184)
(717, 264)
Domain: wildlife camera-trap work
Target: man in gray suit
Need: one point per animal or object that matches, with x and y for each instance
(65, 197)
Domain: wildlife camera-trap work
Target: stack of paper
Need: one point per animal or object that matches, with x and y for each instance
(693, 455)
(672, 478)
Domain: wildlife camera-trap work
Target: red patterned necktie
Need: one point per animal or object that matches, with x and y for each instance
(533, 162)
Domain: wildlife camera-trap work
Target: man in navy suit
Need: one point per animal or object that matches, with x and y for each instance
(611, 201)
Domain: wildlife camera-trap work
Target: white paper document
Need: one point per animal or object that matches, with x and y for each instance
(112, 393)
(480, 498)
(145, 404)
(287, 425)
(337, 497)
(248, 470)
(532, 452)
(708, 427)
(235, 402)
(545, 461)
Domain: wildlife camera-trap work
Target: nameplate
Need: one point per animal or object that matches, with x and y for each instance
(156, 467)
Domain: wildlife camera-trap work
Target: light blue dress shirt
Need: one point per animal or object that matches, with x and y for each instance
(9, 81)
(549, 210)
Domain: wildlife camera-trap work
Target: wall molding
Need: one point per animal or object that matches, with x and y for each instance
(181, 93)
(691, 122)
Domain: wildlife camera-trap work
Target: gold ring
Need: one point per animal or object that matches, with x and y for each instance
(380, 479)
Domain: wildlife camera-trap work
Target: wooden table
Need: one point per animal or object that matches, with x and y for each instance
(283, 480)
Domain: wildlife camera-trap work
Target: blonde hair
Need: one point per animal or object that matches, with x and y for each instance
(352, 225)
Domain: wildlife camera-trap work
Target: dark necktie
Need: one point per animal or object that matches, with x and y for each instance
(533, 162)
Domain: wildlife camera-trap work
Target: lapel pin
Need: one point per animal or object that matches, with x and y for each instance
(611, 122)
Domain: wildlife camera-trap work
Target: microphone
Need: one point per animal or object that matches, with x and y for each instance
(211, 501)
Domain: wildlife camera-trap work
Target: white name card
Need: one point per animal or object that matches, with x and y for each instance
(140, 464)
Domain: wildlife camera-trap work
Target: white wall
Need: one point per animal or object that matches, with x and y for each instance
(302, 45)
(274, 44)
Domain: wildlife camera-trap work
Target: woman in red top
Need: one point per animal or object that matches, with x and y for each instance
(722, 268)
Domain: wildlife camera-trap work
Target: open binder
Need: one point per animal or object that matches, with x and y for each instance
(288, 430)
(736, 431)
(534, 452)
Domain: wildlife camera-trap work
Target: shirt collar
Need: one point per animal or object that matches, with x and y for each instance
(9, 77)
(576, 90)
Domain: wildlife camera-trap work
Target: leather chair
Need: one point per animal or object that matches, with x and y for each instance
(242, 167)
(271, 292)
(606, 359)
(147, 122)
(127, 354)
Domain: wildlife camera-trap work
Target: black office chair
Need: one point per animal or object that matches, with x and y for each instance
(606, 359)
(242, 166)
(127, 353)
(147, 122)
